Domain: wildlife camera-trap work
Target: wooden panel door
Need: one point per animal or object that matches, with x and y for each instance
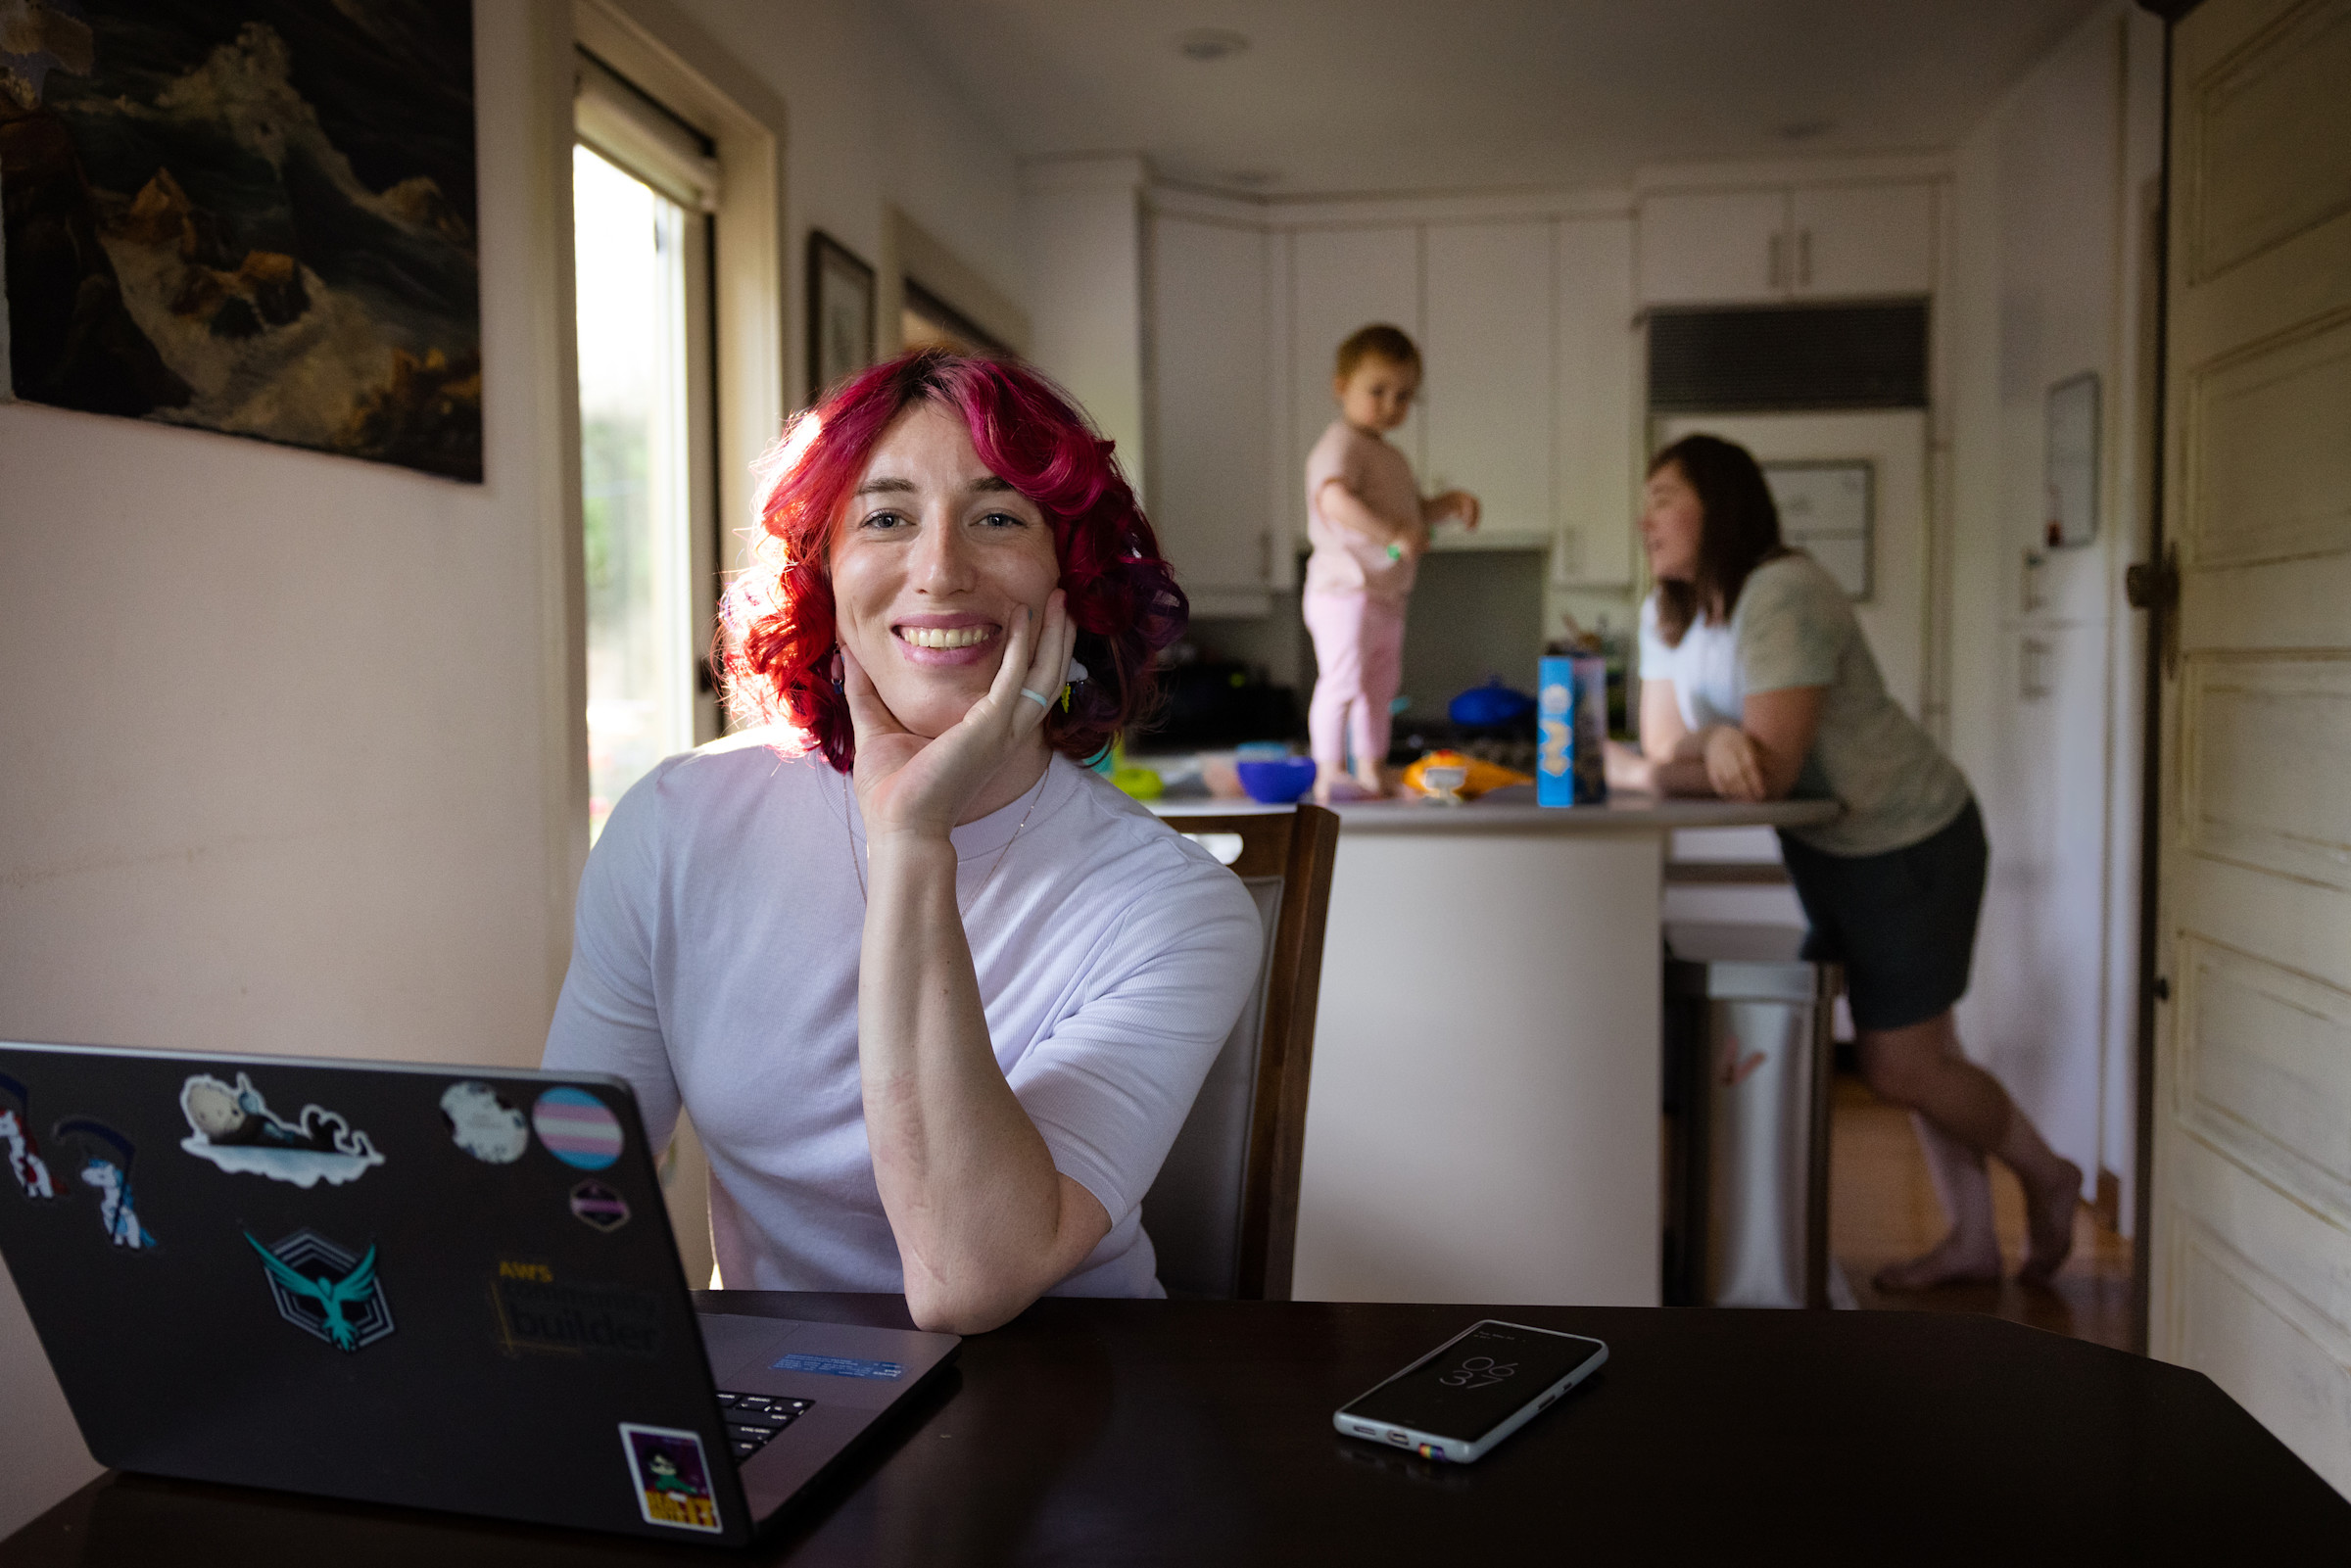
(1487, 397)
(1855, 241)
(1211, 424)
(2250, 1268)
(1714, 247)
(1342, 279)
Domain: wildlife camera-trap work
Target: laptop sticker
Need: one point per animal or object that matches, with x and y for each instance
(537, 1311)
(25, 1162)
(599, 1206)
(673, 1483)
(839, 1366)
(232, 1125)
(577, 1129)
(107, 1157)
(325, 1291)
(484, 1123)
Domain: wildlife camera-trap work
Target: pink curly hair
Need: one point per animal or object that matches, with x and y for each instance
(777, 635)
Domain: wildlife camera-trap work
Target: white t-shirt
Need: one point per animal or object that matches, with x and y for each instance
(715, 959)
(1793, 626)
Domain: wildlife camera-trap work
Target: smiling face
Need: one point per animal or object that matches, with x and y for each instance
(1673, 525)
(1377, 393)
(931, 564)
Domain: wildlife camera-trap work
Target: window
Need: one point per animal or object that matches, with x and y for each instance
(644, 185)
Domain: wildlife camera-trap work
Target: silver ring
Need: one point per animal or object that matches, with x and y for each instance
(1045, 703)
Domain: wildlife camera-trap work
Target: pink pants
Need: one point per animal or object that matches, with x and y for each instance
(1359, 647)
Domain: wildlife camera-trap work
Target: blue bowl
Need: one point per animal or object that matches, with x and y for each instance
(1277, 784)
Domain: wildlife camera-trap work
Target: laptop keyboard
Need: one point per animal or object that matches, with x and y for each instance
(754, 1419)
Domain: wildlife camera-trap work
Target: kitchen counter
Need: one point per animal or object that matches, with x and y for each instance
(1482, 1120)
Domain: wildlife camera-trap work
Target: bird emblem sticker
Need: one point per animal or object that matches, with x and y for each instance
(107, 1157)
(232, 1125)
(673, 1482)
(25, 1162)
(325, 1291)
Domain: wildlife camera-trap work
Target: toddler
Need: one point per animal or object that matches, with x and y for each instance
(1370, 526)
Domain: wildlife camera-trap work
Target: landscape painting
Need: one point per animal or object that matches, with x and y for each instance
(253, 217)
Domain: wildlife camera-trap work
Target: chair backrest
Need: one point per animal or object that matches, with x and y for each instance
(1224, 1212)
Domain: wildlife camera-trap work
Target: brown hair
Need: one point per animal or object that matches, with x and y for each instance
(1378, 341)
(1740, 530)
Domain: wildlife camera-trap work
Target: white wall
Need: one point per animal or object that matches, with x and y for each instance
(2045, 284)
(295, 750)
(1082, 229)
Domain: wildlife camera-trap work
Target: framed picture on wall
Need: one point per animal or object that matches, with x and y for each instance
(1828, 510)
(840, 313)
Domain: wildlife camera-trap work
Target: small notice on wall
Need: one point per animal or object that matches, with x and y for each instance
(1826, 511)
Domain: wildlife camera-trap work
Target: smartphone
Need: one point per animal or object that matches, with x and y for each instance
(1469, 1393)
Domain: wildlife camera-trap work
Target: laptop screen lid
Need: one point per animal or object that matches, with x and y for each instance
(447, 1287)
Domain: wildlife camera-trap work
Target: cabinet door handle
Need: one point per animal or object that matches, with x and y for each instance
(1779, 248)
(1803, 257)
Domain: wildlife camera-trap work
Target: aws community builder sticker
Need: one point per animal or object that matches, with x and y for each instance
(673, 1483)
(537, 1311)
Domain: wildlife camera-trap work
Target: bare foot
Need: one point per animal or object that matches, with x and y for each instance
(1952, 1261)
(2049, 1225)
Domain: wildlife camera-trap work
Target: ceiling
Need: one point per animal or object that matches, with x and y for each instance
(1332, 96)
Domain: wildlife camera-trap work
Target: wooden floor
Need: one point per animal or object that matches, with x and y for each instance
(1882, 1207)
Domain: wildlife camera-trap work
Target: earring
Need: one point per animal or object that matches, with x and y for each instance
(836, 669)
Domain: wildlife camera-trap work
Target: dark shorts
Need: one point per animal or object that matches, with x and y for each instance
(1902, 923)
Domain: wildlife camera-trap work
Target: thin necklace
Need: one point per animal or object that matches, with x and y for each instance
(962, 911)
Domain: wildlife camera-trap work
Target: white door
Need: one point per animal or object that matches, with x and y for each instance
(1853, 240)
(1714, 247)
(2250, 1267)
(1486, 399)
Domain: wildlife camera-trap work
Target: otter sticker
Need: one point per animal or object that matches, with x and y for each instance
(673, 1483)
(107, 1157)
(232, 1125)
(323, 1290)
(25, 1162)
(484, 1125)
(577, 1129)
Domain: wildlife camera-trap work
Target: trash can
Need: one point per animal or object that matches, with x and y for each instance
(1747, 1100)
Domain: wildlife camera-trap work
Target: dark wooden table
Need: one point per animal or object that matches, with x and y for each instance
(1154, 1432)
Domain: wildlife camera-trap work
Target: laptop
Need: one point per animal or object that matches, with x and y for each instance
(444, 1287)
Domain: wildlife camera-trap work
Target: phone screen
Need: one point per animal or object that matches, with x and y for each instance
(1481, 1381)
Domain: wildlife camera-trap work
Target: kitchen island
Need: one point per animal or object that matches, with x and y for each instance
(1482, 1120)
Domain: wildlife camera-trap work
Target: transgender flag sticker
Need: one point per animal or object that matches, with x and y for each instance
(576, 1128)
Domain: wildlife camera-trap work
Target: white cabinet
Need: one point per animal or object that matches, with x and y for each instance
(1597, 416)
(1847, 240)
(1342, 279)
(1485, 400)
(1212, 421)
(1715, 247)
(1778, 243)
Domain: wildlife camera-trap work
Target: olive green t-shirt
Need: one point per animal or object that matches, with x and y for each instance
(1793, 626)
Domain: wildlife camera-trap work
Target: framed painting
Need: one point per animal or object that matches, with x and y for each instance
(840, 313)
(251, 216)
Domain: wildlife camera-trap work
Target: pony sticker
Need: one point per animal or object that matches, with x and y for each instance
(322, 1289)
(233, 1128)
(25, 1162)
(107, 1158)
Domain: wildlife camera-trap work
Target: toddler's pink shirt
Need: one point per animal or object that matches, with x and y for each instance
(1345, 561)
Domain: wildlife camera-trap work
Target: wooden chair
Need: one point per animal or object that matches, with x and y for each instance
(1224, 1211)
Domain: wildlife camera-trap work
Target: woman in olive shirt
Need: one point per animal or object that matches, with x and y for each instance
(1757, 684)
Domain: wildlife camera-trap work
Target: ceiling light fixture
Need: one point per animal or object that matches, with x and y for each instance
(1211, 43)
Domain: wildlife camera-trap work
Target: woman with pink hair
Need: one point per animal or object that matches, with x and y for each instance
(937, 996)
